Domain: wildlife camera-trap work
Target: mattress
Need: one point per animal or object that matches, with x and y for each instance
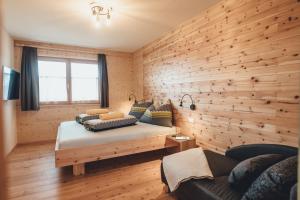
(74, 135)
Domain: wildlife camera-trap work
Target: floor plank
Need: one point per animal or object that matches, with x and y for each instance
(32, 175)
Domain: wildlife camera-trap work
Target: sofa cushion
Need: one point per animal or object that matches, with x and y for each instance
(248, 170)
(217, 189)
(275, 182)
(219, 164)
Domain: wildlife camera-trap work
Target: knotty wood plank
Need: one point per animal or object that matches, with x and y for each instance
(240, 61)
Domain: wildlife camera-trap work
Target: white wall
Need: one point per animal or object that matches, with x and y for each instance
(9, 107)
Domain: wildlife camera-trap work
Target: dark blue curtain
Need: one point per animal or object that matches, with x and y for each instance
(29, 80)
(103, 80)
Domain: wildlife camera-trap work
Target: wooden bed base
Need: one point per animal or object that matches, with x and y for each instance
(79, 156)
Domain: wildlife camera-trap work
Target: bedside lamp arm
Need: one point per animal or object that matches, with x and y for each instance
(192, 106)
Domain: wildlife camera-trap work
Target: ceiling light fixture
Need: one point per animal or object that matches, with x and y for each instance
(99, 10)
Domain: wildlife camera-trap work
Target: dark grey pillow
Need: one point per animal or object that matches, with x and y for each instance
(248, 170)
(275, 182)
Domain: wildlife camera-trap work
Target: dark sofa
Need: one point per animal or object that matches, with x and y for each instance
(221, 166)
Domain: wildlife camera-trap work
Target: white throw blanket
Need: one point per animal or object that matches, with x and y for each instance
(185, 165)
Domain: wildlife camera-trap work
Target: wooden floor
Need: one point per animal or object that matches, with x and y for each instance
(33, 176)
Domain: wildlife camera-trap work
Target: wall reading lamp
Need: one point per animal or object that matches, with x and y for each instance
(192, 106)
(131, 96)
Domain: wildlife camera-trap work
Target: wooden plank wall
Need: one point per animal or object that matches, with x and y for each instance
(9, 107)
(138, 75)
(42, 125)
(240, 60)
(3, 191)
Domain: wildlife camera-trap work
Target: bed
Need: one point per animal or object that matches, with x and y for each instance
(76, 146)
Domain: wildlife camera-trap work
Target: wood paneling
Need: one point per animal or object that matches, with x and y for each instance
(32, 175)
(240, 61)
(2, 151)
(138, 80)
(67, 50)
(42, 125)
(9, 107)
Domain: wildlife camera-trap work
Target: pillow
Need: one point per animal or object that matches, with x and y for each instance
(248, 170)
(97, 111)
(81, 118)
(111, 115)
(161, 115)
(275, 182)
(139, 108)
(99, 125)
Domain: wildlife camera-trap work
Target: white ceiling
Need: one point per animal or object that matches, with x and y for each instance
(134, 23)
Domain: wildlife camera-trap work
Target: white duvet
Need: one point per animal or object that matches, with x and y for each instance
(73, 135)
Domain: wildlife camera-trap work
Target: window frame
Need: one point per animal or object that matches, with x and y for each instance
(68, 62)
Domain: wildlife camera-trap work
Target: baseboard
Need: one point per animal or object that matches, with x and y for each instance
(36, 142)
(11, 150)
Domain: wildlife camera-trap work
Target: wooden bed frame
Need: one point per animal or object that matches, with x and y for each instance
(79, 156)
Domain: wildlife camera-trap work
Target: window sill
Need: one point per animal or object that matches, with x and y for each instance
(52, 104)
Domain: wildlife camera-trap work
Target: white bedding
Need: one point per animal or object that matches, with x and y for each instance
(72, 134)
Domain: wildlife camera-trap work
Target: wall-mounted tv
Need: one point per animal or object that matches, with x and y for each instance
(11, 83)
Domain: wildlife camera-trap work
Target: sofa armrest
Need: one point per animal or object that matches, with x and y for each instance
(247, 151)
(293, 192)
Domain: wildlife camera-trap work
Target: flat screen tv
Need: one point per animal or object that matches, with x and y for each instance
(11, 83)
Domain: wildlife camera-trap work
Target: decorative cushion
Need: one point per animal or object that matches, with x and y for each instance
(97, 111)
(99, 125)
(275, 182)
(248, 170)
(85, 117)
(139, 108)
(111, 115)
(161, 115)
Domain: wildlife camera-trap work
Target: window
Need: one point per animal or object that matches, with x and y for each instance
(67, 81)
(85, 82)
(52, 78)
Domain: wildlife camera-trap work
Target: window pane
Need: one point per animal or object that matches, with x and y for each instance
(84, 82)
(52, 77)
(84, 70)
